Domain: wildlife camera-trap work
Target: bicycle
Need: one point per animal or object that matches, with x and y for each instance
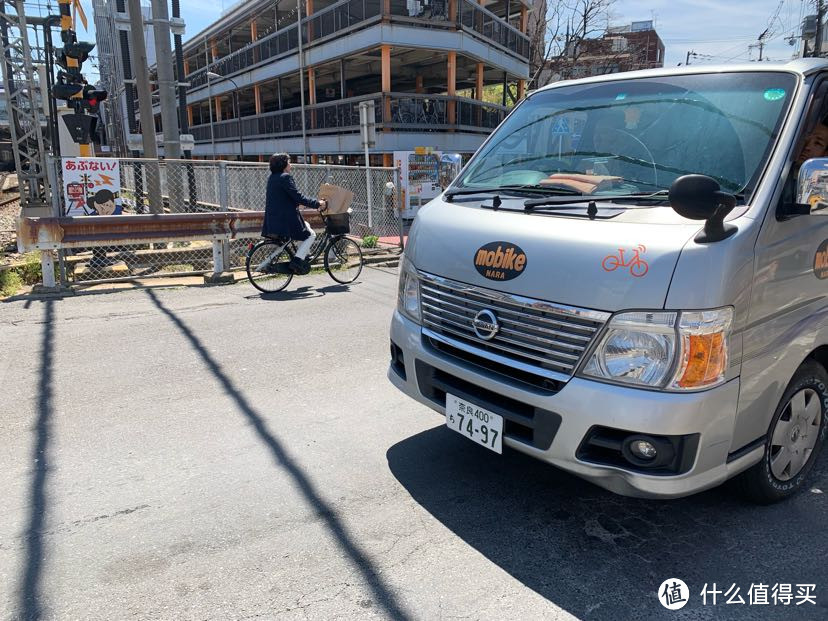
(268, 260)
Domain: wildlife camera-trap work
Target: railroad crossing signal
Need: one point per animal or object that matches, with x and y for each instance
(71, 86)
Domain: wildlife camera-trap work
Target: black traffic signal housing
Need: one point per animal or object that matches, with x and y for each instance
(82, 127)
(92, 98)
(78, 50)
(62, 90)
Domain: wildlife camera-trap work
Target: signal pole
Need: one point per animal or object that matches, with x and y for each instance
(166, 81)
(141, 72)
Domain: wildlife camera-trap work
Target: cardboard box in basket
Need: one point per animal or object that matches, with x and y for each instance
(339, 198)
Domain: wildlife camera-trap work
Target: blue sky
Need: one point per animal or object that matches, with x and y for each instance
(715, 28)
(722, 30)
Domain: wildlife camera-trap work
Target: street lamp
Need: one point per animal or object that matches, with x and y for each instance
(212, 75)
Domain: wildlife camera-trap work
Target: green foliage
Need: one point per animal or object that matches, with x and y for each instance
(10, 283)
(17, 276)
(30, 270)
(370, 241)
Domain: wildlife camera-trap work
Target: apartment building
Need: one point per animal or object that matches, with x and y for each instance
(425, 64)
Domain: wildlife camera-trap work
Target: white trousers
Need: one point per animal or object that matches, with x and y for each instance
(305, 246)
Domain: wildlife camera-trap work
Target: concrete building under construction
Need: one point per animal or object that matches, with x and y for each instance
(426, 65)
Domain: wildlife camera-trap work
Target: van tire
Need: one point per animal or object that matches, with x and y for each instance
(759, 484)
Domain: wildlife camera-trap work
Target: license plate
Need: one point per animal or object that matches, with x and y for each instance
(476, 423)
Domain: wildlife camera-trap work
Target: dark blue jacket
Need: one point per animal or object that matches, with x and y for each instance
(282, 217)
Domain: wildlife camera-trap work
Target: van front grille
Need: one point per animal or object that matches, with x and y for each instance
(539, 337)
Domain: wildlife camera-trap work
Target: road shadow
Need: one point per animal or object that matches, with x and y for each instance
(30, 597)
(301, 293)
(384, 596)
(602, 556)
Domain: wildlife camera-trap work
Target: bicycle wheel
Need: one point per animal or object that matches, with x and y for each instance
(267, 266)
(343, 260)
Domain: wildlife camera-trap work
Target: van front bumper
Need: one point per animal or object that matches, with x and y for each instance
(565, 419)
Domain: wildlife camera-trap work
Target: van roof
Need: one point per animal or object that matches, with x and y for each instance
(801, 66)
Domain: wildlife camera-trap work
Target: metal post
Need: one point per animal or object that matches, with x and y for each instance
(238, 118)
(366, 109)
(279, 91)
(302, 80)
(51, 173)
(183, 122)
(398, 197)
(47, 269)
(368, 187)
(139, 48)
(222, 180)
(209, 95)
(218, 256)
(166, 80)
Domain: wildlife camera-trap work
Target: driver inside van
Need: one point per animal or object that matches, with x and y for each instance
(815, 144)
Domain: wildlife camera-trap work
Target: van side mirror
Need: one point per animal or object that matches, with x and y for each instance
(699, 197)
(812, 187)
(450, 166)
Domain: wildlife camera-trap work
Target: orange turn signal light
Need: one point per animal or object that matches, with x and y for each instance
(705, 360)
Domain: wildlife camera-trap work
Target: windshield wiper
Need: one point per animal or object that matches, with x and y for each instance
(559, 201)
(506, 189)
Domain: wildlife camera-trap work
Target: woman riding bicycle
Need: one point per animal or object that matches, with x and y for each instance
(282, 218)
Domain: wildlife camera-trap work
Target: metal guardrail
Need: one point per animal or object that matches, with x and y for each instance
(107, 232)
(91, 231)
(203, 220)
(128, 237)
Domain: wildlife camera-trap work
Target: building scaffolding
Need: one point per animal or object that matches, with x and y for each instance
(23, 100)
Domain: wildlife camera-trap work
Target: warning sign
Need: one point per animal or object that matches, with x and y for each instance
(561, 126)
(91, 186)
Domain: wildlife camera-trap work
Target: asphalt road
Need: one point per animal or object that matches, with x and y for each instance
(205, 453)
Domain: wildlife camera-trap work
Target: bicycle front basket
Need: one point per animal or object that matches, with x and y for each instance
(338, 224)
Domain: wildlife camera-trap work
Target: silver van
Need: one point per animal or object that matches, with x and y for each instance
(629, 281)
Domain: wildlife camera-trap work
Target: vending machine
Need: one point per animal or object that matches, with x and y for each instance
(419, 171)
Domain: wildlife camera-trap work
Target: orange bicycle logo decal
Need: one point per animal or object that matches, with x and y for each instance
(638, 266)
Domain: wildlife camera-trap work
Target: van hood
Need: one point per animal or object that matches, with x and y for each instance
(611, 264)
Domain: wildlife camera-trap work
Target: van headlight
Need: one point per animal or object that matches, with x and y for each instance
(408, 295)
(668, 350)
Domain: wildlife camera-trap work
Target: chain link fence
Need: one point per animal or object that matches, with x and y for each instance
(194, 186)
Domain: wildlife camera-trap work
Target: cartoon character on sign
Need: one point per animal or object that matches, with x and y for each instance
(638, 266)
(102, 203)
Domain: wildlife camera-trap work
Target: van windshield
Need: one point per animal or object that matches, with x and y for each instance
(639, 135)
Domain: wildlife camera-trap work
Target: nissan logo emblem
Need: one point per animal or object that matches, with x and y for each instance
(485, 325)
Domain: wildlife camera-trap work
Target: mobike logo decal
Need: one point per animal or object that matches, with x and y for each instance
(821, 261)
(500, 260)
(637, 266)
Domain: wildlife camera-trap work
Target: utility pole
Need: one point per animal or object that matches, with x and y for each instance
(139, 49)
(166, 79)
(689, 54)
(819, 33)
(302, 79)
